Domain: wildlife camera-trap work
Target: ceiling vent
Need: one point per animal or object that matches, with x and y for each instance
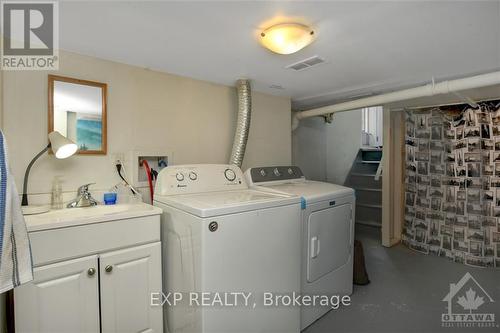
(306, 63)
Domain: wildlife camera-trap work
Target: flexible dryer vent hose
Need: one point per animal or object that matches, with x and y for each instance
(243, 122)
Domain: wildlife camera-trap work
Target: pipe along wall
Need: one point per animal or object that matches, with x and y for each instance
(430, 89)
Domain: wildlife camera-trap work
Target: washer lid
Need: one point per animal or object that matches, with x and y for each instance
(310, 190)
(226, 202)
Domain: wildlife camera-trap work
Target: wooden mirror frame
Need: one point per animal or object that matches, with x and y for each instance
(104, 89)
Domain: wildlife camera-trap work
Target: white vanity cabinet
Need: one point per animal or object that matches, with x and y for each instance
(93, 277)
(128, 277)
(64, 297)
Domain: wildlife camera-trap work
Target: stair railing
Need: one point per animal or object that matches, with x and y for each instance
(379, 171)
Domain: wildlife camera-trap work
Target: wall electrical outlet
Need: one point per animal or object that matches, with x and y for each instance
(118, 157)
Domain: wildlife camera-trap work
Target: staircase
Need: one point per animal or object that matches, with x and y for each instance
(368, 189)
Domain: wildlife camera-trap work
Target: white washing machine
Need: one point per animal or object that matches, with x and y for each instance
(327, 216)
(219, 236)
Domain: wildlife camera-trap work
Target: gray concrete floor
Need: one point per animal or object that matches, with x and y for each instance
(405, 293)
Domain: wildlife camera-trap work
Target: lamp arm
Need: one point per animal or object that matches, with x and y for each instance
(27, 173)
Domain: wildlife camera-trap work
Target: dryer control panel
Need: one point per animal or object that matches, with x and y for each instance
(274, 173)
(199, 178)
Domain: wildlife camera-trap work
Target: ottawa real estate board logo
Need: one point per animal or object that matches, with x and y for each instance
(468, 305)
(30, 35)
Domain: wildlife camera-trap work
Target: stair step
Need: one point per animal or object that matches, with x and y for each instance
(365, 168)
(358, 174)
(365, 213)
(362, 204)
(369, 223)
(371, 155)
(369, 189)
(368, 162)
(369, 148)
(355, 181)
(369, 196)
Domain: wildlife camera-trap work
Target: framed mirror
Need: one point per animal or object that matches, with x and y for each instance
(77, 109)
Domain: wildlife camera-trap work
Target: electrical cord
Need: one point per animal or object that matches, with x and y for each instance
(119, 169)
(154, 174)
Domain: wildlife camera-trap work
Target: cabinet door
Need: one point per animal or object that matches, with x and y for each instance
(330, 240)
(63, 297)
(128, 277)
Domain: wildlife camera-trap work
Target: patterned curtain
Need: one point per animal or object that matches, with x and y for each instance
(452, 179)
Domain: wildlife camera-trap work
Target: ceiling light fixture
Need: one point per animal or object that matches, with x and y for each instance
(287, 38)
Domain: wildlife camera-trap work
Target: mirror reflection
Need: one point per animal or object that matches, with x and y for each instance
(78, 112)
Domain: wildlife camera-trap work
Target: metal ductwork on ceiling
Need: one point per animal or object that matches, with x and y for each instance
(243, 122)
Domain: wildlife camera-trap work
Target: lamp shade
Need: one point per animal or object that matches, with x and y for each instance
(287, 38)
(61, 145)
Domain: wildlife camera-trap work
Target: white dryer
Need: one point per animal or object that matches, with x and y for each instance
(219, 236)
(327, 232)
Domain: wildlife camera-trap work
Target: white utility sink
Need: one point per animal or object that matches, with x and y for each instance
(86, 215)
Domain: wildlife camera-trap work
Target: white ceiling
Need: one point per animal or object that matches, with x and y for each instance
(370, 47)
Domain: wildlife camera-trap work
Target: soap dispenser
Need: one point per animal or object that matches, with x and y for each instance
(57, 199)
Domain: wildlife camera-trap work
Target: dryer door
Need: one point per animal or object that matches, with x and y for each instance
(329, 240)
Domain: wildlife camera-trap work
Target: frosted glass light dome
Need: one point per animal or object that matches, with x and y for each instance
(287, 38)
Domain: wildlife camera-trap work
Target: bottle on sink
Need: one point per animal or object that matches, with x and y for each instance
(57, 196)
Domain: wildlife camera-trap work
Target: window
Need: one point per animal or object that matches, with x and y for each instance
(371, 128)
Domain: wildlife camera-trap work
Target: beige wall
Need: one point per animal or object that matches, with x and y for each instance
(326, 152)
(3, 314)
(147, 110)
(1, 99)
(343, 140)
(309, 148)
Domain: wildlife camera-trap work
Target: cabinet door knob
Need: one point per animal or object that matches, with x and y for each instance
(91, 271)
(108, 268)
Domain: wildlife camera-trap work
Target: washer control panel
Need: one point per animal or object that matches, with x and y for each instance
(197, 178)
(230, 174)
(275, 173)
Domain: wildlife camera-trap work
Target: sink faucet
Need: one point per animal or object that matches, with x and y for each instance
(83, 198)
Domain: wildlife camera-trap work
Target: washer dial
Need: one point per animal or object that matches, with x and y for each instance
(179, 176)
(193, 175)
(230, 175)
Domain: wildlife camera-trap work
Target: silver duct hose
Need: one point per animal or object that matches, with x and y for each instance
(243, 122)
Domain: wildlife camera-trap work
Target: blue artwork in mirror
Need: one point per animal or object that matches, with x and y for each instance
(89, 134)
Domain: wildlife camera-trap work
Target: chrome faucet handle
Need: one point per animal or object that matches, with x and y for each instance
(83, 198)
(84, 188)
